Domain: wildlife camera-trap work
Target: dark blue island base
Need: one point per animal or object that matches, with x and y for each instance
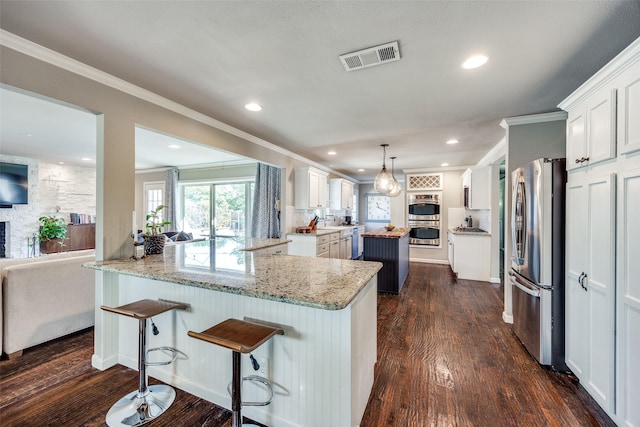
(391, 248)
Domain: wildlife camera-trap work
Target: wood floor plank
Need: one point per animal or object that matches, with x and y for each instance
(445, 358)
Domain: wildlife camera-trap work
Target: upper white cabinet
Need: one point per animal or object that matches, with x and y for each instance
(341, 193)
(310, 188)
(476, 187)
(591, 130)
(629, 111)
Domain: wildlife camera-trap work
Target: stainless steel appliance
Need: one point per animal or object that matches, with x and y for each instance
(424, 219)
(537, 273)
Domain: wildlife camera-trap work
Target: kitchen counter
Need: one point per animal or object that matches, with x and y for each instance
(329, 284)
(472, 231)
(254, 243)
(316, 301)
(396, 233)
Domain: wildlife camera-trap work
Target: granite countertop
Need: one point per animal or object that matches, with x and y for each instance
(396, 233)
(323, 283)
(254, 243)
(318, 232)
(471, 231)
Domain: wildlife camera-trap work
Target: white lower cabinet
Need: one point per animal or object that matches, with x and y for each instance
(590, 285)
(628, 300)
(470, 255)
(314, 245)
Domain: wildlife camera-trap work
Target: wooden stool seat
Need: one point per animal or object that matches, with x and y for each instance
(241, 337)
(237, 335)
(145, 308)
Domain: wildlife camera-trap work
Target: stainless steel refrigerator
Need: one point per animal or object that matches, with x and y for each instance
(537, 261)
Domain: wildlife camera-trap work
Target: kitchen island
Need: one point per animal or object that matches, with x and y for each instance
(392, 249)
(327, 308)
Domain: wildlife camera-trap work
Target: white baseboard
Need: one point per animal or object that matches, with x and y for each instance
(507, 318)
(429, 261)
(495, 280)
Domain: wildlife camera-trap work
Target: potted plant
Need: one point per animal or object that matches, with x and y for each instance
(153, 241)
(52, 233)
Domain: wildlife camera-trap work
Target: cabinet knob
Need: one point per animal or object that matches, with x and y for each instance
(578, 161)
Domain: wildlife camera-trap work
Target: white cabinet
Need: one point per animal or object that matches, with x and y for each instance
(629, 111)
(628, 299)
(476, 187)
(310, 188)
(346, 243)
(450, 254)
(470, 255)
(591, 130)
(341, 193)
(334, 245)
(313, 245)
(590, 286)
(272, 250)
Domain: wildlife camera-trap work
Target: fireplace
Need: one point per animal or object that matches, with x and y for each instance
(3, 239)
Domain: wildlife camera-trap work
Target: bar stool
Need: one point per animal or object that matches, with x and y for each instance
(148, 402)
(241, 337)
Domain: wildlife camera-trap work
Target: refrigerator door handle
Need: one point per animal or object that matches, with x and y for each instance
(526, 289)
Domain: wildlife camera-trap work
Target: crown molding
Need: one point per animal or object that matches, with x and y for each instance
(64, 62)
(533, 118)
(620, 63)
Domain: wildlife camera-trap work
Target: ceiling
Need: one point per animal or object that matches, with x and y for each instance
(215, 56)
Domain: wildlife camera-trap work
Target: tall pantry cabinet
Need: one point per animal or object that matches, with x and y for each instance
(603, 236)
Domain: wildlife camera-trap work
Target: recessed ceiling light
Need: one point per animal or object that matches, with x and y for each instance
(332, 153)
(174, 146)
(475, 62)
(252, 106)
(452, 141)
(360, 170)
(61, 163)
(86, 159)
(28, 135)
(444, 164)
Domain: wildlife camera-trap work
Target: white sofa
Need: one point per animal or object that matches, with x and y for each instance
(45, 298)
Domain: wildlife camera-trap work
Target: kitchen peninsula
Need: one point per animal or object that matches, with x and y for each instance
(392, 249)
(327, 308)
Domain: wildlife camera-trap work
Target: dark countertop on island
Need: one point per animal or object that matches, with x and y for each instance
(396, 233)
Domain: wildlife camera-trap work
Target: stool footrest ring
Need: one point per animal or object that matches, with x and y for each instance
(172, 350)
(258, 379)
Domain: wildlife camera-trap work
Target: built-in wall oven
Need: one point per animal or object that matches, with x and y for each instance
(424, 218)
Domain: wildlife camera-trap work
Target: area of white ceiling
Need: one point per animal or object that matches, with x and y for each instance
(215, 56)
(36, 127)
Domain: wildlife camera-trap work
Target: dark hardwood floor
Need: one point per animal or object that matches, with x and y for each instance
(445, 358)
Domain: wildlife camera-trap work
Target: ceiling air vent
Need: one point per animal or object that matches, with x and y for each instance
(376, 55)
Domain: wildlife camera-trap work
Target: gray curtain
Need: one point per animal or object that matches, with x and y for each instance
(171, 190)
(265, 219)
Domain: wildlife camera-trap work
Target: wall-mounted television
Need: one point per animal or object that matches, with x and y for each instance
(14, 184)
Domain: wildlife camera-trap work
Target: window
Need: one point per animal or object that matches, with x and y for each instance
(153, 196)
(217, 209)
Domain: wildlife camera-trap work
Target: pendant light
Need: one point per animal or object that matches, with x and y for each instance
(396, 188)
(384, 180)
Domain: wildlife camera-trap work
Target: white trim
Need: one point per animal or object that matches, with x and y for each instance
(429, 261)
(495, 280)
(59, 60)
(507, 318)
(619, 64)
(439, 169)
(499, 150)
(533, 118)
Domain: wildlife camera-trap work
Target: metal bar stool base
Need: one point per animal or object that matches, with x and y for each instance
(133, 410)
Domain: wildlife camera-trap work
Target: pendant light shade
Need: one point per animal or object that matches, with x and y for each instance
(384, 180)
(396, 188)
